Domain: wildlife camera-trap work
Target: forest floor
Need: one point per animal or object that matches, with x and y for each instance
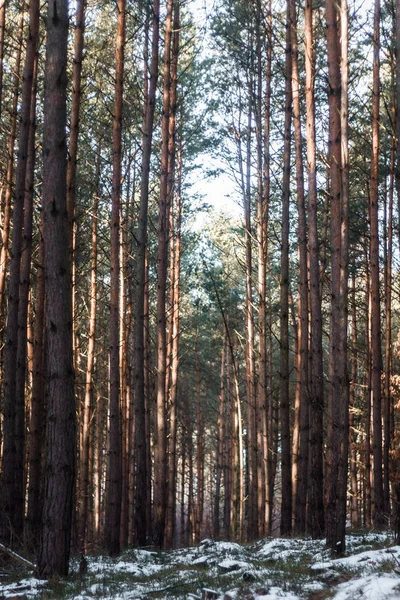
(271, 569)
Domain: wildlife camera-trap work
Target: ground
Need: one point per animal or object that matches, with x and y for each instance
(271, 569)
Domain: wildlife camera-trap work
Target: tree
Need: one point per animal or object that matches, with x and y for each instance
(54, 548)
(114, 467)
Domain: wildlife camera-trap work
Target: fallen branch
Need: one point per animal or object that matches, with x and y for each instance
(18, 558)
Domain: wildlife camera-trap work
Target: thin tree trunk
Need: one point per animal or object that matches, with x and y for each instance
(114, 467)
(263, 191)
(10, 168)
(73, 153)
(352, 421)
(175, 258)
(388, 341)
(337, 441)
(220, 445)
(2, 31)
(143, 469)
(14, 407)
(88, 401)
(200, 451)
(23, 309)
(286, 508)
(160, 438)
(376, 350)
(37, 416)
(316, 524)
(54, 546)
(302, 450)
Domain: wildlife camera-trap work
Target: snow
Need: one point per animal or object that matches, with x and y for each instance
(373, 587)
(272, 569)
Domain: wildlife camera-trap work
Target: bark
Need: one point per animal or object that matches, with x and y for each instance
(262, 239)
(160, 438)
(89, 384)
(143, 472)
(60, 464)
(175, 258)
(220, 446)
(114, 468)
(316, 388)
(10, 167)
(37, 416)
(337, 440)
(23, 307)
(73, 152)
(13, 461)
(367, 463)
(352, 422)
(376, 350)
(2, 31)
(300, 458)
(200, 452)
(286, 508)
(388, 341)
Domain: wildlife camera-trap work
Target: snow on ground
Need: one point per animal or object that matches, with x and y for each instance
(272, 569)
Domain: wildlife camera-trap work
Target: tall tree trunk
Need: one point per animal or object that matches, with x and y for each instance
(5, 236)
(160, 438)
(352, 421)
(2, 31)
(88, 400)
(263, 191)
(376, 350)
(60, 464)
(37, 416)
(175, 258)
(73, 152)
(388, 340)
(300, 491)
(200, 451)
(23, 309)
(143, 470)
(13, 461)
(286, 508)
(114, 468)
(220, 445)
(367, 479)
(337, 441)
(316, 389)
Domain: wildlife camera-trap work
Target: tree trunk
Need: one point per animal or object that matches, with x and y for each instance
(143, 470)
(73, 153)
(337, 441)
(316, 523)
(160, 438)
(300, 494)
(376, 350)
(286, 507)
(60, 464)
(352, 422)
(2, 31)
(88, 401)
(114, 474)
(14, 406)
(9, 174)
(388, 340)
(37, 416)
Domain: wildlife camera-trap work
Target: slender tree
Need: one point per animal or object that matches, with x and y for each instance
(53, 555)
(286, 508)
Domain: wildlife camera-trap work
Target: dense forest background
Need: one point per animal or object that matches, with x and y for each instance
(170, 370)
